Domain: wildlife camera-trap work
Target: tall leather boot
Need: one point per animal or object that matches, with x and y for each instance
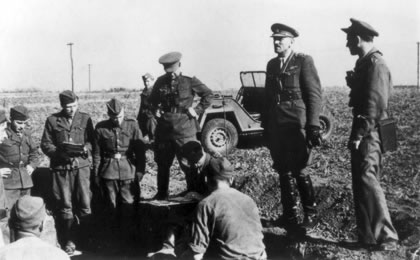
(307, 194)
(162, 183)
(290, 206)
(127, 225)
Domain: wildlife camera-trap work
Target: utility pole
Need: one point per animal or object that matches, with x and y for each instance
(89, 79)
(71, 59)
(418, 65)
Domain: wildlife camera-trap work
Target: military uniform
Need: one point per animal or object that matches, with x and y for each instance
(173, 96)
(16, 152)
(70, 172)
(145, 118)
(293, 104)
(370, 88)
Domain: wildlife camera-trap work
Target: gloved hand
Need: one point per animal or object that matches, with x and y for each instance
(191, 113)
(313, 136)
(139, 176)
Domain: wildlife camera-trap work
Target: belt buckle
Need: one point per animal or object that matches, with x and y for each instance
(117, 156)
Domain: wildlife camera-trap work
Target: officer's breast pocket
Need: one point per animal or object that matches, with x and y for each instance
(291, 76)
(184, 92)
(108, 141)
(78, 135)
(60, 135)
(125, 138)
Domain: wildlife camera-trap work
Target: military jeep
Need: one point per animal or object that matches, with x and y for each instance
(229, 118)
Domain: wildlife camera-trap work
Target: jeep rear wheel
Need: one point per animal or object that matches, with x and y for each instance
(219, 135)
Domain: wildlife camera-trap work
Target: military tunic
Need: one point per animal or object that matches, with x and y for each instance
(16, 153)
(145, 118)
(71, 175)
(173, 97)
(370, 88)
(118, 153)
(292, 103)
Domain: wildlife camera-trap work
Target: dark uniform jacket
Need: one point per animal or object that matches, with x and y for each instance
(145, 111)
(370, 87)
(112, 142)
(293, 94)
(58, 130)
(173, 98)
(16, 153)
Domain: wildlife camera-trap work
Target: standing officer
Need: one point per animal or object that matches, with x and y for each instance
(119, 163)
(172, 97)
(291, 124)
(18, 156)
(370, 85)
(67, 142)
(145, 118)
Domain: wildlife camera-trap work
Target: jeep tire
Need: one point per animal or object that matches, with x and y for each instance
(327, 126)
(219, 135)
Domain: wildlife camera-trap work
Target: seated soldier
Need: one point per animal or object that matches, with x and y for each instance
(26, 223)
(226, 224)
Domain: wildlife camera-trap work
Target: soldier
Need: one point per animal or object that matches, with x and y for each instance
(370, 84)
(67, 140)
(291, 125)
(119, 165)
(172, 97)
(18, 156)
(145, 118)
(226, 224)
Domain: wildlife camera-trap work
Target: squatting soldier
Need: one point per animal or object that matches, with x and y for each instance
(67, 140)
(146, 118)
(370, 84)
(119, 164)
(18, 156)
(172, 97)
(291, 125)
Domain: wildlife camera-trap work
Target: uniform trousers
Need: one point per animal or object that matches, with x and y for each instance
(165, 152)
(372, 215)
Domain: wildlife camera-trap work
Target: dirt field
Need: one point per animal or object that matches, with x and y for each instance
(331, 175)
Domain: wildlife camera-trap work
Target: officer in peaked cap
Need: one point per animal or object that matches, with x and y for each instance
(281, 30)
(370, 83)
(119, 163)
(145, 118)
(18, 156)
(360, 28)
(70, 125)
(172, 99)
(291, 125)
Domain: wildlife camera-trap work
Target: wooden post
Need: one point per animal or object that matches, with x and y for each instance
(71, 60)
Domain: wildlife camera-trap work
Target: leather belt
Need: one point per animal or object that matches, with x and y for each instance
(117, 156)
(289, 95)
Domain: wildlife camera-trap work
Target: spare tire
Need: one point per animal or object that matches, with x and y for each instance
(327, 126)
(219, 135)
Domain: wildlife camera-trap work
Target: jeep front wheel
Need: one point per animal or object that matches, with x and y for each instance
(219, 135)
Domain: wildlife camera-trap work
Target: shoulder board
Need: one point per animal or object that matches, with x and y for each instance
(58, 114)
(300, 55)
(187, 77)
(83, 113)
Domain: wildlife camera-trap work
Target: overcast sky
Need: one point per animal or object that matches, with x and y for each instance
(124, 39)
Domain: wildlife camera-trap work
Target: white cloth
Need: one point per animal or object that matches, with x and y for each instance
(32, 248)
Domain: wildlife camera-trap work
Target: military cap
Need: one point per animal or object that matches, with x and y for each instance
(282, 30)
(27, 213)
(360, 28)
(67, 97)
(2, 116)
(147, 76)
(170, 58)
(220, 168)
(192, 151)
(19, 113)
(114, 106)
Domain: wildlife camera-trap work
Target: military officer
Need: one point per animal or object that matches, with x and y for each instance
(67, 141)
(291, 125)
(145, 118)
(172, 98)
(370, 84)
(119, 164)
(18, 156)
